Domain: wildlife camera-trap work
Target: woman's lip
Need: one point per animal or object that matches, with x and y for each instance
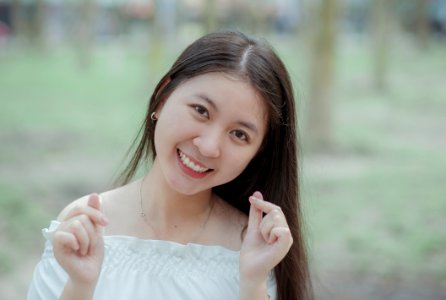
(188, 170)
(194, 161)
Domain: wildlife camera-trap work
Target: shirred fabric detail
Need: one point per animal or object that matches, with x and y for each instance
(135, 269)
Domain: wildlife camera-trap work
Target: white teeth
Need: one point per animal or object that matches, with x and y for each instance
(191, 164)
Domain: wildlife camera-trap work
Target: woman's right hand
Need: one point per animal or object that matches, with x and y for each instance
(78, 241)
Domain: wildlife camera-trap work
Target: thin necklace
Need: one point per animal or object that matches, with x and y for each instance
(144, 216)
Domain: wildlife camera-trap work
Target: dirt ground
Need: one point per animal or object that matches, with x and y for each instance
(347, 286)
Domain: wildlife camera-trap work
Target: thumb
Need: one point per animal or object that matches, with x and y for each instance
(94, 201)
(258, 195)
(255, 214)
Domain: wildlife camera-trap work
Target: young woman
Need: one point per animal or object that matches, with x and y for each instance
(217, 215)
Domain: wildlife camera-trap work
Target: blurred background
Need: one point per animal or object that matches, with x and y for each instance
(370, 84)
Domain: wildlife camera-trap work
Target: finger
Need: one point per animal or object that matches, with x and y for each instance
(94, 201)
(263, 205)
(90, 229)
(65, 240)
(255, 217)
(78, 230)
(281, 238)
(274, 219)
(94, 214)
(258, 195)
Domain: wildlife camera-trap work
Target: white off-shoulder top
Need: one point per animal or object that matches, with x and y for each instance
(135, 269)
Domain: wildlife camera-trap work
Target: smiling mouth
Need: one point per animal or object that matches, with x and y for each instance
(190, 164)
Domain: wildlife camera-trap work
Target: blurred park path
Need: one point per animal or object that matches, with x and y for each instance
(372, 114)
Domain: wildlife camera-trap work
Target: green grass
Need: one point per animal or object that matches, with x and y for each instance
(53, 91)
(375, 204)
(19, 219)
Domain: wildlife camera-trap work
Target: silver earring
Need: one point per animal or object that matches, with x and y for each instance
(153, 116)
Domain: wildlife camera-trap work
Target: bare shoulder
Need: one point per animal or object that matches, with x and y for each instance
(119, 205)
(231, 224)
(113, 203)
(233, 216)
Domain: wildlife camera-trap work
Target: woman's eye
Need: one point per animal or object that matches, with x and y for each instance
(201, 110)
(241, 135)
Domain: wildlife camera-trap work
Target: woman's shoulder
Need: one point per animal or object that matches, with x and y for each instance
(119, 205)
(230, 224)
(230, 214)
(111, 202)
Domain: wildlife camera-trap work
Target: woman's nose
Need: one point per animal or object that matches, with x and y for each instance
(208, 144)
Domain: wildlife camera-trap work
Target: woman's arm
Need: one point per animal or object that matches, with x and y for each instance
(268, 239)
(79, 248)
(250, 290)
(78, 291)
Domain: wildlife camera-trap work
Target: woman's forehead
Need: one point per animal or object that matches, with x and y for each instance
(226, 93)
(223, 88)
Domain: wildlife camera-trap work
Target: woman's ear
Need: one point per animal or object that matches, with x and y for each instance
(160, 89)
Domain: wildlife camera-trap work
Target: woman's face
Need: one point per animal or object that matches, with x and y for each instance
(207, 132)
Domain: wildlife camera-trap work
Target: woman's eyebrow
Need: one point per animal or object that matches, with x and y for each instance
(211, 102)
(248, 125)
(208, 100)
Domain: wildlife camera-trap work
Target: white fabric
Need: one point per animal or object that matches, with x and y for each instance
(136, 269)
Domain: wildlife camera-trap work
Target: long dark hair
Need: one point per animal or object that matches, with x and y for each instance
(274, 169)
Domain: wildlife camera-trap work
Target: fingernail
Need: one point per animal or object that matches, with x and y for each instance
(255, 199)
(258, 193)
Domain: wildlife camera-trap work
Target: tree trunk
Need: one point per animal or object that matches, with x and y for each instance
(157, 42)
(320, 122)
(422, 24)
(38, 24)
(166, 19)
(380, 28)
(256, 20)
(211, 16)
(18, 22)
(86, 32)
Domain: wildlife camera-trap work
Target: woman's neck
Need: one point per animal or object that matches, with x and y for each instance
(169, 212)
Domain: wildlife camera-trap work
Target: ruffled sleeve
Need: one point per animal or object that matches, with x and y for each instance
(138, 269)
(49, 278)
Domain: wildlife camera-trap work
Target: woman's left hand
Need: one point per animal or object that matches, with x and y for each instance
(267, 240)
